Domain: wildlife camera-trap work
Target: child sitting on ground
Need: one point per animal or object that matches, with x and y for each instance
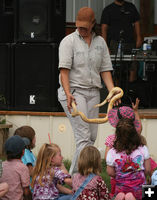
(28, 135)
(89, 163)
(128, 161)
(114, 116)
(125, 112)
(48, 176)
(15, 173)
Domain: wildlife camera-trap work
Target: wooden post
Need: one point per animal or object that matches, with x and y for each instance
(4, 132)
(147, 17)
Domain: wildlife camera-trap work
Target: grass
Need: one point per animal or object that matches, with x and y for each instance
(104, 174)
(2, 157)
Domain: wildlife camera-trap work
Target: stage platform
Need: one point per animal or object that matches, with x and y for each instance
(144, 113)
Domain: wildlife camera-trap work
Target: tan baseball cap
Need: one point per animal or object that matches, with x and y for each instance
(85, 17)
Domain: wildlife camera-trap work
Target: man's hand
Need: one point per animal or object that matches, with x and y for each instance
(117, 102)
(70, 98)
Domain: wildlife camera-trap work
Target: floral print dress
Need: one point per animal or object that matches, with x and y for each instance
(49, 189)
(95, 190)
(129, 170)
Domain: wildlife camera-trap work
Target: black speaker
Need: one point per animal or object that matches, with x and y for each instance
(35, 77)
(151, 75)
(5, 76)
(6, 21)
(39, 20)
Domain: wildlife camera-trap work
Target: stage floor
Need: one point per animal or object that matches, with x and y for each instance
(144, 113)
(148, 113)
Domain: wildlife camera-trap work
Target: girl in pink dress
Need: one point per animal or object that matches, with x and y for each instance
(128, 161)
(126, 112)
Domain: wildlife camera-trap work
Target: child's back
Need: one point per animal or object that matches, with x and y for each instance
(95, 189)
(16, 174)
(28, 135)
(129, 169)
(128, 160)
(90, 163)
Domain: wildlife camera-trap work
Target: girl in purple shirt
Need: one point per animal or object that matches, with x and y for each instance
(49, 174)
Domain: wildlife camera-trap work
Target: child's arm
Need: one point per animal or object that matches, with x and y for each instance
(137, 117)
(27, 193)
(111, 171)
(63, 168)
(147, 167)
(30, 167)
(147, 171)
(68, 181)
(64, 189)
(106, 151)
(3, 189)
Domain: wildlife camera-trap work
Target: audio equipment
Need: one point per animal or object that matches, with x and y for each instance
(39, 20)
(145, 56)
(5, 77)
(6, 21)
(35, 77)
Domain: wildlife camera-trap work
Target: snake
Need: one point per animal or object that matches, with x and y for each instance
(115, 94)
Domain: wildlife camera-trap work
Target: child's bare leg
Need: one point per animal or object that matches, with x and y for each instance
(129, 196)
(120, 196)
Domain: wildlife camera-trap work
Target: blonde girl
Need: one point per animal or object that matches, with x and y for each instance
(90, 162)
(48, 175)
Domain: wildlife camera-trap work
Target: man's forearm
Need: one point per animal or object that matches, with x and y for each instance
(104, 28)
(65, 80)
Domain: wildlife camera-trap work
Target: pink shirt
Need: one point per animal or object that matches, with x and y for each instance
(110, 140)
(16, 174)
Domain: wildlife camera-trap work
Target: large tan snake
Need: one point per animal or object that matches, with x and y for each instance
(115, 94)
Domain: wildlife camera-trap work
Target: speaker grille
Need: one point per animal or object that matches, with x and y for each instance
(35, 77)
(5, 76)
(40, 20)
(34, 21)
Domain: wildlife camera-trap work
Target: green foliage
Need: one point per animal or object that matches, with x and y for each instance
(2, 121)
(3, 157)
(105, 176)
(67, 164)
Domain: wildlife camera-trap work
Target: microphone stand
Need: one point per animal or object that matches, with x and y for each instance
(119, 55)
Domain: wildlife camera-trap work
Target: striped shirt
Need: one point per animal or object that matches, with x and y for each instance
(110, 140)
